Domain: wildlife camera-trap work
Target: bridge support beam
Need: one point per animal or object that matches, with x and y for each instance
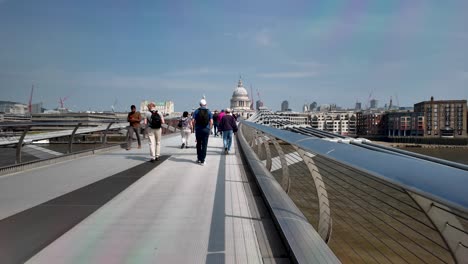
(448, 225)
(70, 142)
(19, 146)
(104, 140)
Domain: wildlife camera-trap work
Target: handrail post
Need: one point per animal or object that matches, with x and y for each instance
(20, 145)
(268, 153)
(104, 140)
(70, 142)
(285, 179)
(325, 220)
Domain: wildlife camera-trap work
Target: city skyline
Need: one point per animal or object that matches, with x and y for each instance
(330, 52)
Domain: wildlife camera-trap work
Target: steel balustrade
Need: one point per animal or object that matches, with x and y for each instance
(386, 206)
(304, 243)
(23, 140)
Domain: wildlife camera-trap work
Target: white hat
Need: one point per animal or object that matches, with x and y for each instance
(202, 102)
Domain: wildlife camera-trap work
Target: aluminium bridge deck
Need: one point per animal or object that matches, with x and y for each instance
(115, 207)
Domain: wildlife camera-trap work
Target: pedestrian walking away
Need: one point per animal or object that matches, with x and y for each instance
(134, 118)
(203, 121)
(220, 116)
(215, 123)
(228, 126)
(185, 129)
(154, 121)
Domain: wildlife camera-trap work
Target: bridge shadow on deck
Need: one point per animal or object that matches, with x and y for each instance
(26, 233)
(216, 243)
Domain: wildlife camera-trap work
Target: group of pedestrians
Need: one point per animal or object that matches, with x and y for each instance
(201, 122)
(152, 122)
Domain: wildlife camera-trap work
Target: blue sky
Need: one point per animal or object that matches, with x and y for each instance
(100, 52)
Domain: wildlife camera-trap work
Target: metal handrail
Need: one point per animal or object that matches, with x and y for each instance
(305, 244)
(446, 185)
(436, 189)
(60, 133)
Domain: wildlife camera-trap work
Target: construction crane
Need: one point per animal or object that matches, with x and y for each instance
(397, 101)
(62, 100)
(30, 100)
(113, 106)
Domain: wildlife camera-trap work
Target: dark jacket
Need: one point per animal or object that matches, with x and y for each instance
(228, 122)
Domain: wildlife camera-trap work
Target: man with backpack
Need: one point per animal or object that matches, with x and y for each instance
(154, 121)
(203, 121)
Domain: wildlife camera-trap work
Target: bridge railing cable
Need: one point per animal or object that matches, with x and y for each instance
(369, 205)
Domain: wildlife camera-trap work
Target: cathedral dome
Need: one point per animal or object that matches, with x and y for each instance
(240, 91)
(240, 100)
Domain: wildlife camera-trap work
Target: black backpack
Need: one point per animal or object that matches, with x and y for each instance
(155, 120)
(203, 118)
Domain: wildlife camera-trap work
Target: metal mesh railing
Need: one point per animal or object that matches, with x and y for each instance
(364, 218)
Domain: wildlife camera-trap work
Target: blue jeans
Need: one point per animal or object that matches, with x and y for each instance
(227, 139)
(202, 134)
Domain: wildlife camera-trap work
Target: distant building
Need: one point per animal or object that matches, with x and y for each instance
(258, 104)
(240, 101)
(13, 108)
(358, 106)
(323, 108)
(338, 122)
(370, 124)
(37, 108)
(404, 124)
(69, 120)
(305, 108)
(374, 104)
(284, 106)
(444, 118)
(294, 117)
(312, 106)
(166, 107)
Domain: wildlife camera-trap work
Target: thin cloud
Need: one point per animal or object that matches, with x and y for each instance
(198, 72)
(463, 75)
(306, 64)
(263, 38)
(285, 75)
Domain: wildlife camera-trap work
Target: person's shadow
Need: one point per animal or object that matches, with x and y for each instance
(181, 159)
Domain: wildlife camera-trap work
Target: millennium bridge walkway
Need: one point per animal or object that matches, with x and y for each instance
(278, 197)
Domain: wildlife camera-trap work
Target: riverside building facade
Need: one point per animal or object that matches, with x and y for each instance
(444, 118)
(338, 122)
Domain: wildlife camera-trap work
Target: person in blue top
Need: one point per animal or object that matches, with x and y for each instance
(203, 122)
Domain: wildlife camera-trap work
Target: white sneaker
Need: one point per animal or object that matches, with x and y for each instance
(203, 163)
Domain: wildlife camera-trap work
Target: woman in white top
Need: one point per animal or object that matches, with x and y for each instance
(186, 129)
